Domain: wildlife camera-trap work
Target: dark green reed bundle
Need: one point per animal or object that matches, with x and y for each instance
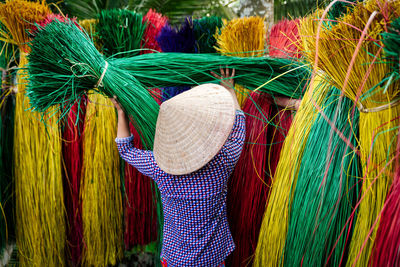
(120, 30)
(64, 64)
(391, 40)
(204, 31)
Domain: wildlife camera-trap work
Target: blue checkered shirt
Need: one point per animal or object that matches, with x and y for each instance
(196, 230)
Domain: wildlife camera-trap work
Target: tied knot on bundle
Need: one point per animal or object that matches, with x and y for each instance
(79, 67)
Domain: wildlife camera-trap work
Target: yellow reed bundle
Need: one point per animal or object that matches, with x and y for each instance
(19, 15)
(338, 46)
(273, 231)
(101, 186)
(242, 37)
(40, 224)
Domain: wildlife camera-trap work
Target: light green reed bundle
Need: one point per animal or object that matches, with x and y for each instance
(326, 188)
(120, 30)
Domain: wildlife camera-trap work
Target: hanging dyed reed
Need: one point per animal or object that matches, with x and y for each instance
(154, 22)
(387, 243)
(120, 30)
(282, 120)
(102, 213)
(205, 30)
(275, 221)
(242, 37)
(40, 225)
(177, 39)
(326, 189)
(72, 154)
(364, 78)
(284, 39)
(249, 184)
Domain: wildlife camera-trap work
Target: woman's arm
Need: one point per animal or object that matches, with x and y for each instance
(123, 122)
(142, 160)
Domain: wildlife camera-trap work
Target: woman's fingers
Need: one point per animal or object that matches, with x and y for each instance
(215, 75)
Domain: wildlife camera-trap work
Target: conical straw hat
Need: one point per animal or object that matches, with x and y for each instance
(192, 127)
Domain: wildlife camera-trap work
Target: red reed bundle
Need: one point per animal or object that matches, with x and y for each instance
(155, 22)
(283, 121)
(386, 250)
(284, 38)
(72, 154)
(140, 205)
(248, 187)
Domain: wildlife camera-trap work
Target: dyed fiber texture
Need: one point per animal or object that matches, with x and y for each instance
(120, 32)
(364, 79)
(72, 152)
(282, 121)
(386, 250)
(273, 230)
(249, 184)
(242, 37)
(154, 22)
(284, 39)
(177, 39)
(205, 30)
(326, 189)
(102, 212)
(40, 224)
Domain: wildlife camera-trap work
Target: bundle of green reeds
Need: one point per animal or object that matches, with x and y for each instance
(64, 63)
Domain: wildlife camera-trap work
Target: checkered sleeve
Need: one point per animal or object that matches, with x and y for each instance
(142, 160)
(234, 144)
